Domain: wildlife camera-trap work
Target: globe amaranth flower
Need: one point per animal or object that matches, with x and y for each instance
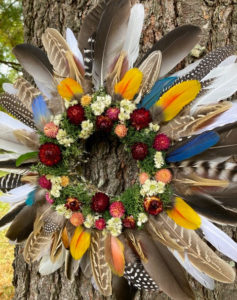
(76, 114)
(50, 154)
(140, 118)
(139, 151)
(100, 202)
(161, 142)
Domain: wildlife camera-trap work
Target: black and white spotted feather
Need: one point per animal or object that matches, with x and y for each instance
(15, 107)
(137, 276)
(89, 56)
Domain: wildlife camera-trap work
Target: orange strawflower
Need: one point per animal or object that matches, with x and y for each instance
(163, 175)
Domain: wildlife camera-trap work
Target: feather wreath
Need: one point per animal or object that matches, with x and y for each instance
(181, 129)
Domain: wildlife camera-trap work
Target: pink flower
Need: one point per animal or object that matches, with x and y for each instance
(113, 113)
(100, 224)
(45, 183)
(143, 177)
(51, 130)
(117, 209)
(48, 198)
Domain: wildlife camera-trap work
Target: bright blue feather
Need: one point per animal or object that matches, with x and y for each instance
(155, 93)
(194, 146)
(41, 112)
(30, 198)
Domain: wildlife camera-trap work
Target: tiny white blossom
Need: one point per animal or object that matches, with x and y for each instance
(87, 129)
(154, 127)
(114, 225)
(89, 221)
(158, 159)
(57, 119)
(70, 103)
(151, 188)
(98, 108)
(62, 210)
(142, 218)
(63, 138)
(107, 100)
(161, 187)
(127, 105)
(123, 116)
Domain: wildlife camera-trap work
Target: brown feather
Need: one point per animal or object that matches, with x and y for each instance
(101, 270)
(29, 139)
(150, 68)
(185, 125)
(56, 47)
(26, 92)
(200, 255)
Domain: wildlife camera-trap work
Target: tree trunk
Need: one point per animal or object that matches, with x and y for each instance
(110, 167)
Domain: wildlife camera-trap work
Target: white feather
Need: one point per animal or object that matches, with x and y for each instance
(8, 141)
(135, 24)
(9, 88)
(202, 278)
(47, 267)
(8, 156)
(226, 117)
(18, 194)
(220, 240)
(223, 86)
(73, 45)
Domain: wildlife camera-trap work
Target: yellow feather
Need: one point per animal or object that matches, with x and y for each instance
(68, 88)
(176, 98)
(183, 215)
(80, 242)
(129, 86)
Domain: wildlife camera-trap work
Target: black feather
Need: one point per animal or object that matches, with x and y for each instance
(9, 217)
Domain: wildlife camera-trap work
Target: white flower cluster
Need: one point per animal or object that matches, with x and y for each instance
(126, 108)
(86, 129)
(89, 221)
(158, 159)
(114, 225)
(142, 218)
(57, 119)
(63, 138)
(100, 104)
(56, 185)
(152, 188)
(62, 210)
(154, 127)
(70, 103)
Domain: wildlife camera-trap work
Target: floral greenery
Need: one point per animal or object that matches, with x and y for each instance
(71, 141)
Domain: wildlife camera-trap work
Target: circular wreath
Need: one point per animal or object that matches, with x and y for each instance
(62, 151)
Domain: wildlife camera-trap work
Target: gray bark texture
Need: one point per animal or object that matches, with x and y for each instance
(110, 167)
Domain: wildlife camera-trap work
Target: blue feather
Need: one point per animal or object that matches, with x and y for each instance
(155, 93)
(41, 112)
(30, 198)
(194, 146)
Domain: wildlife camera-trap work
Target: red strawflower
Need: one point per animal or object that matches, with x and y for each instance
(50, 154)
(140, 118)
(153, 205)
(45, 183)
(161, 142)
(117, 209)
(139, 151)
(104, 123)
(113, 113)
(73, 204)
(76, 114)
(100, 224)
(100, 202)
(129, 222)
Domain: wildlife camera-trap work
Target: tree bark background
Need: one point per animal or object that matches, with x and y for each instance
(110, 167)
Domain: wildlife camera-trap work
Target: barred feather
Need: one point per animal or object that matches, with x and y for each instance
(10, 181)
